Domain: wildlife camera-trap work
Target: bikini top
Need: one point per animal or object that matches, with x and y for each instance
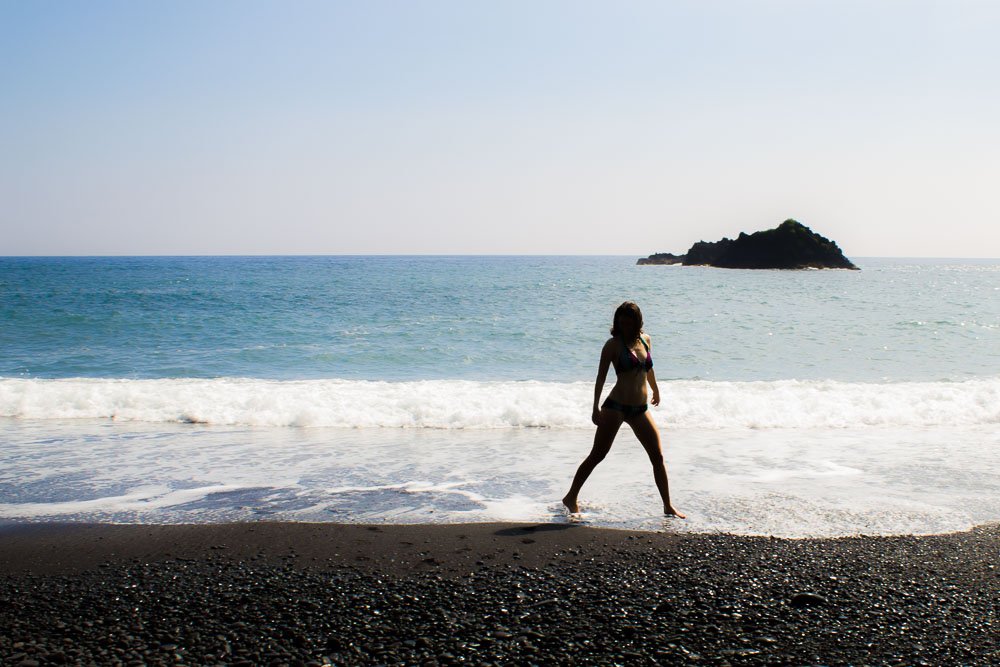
(630, 360)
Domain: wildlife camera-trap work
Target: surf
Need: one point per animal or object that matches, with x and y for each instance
(466, 404)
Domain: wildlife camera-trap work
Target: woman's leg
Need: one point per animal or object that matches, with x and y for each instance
(645, 429)
(609, 422)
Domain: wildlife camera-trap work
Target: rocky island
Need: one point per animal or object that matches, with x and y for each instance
(791, 245)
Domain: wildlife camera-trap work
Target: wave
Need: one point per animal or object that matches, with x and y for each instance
(457, 404)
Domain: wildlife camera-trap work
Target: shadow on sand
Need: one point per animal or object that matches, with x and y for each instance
(519, 531)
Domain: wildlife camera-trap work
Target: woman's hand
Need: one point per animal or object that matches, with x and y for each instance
(656, 397)
(596, 417)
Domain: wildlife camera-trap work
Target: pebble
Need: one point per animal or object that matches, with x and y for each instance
(802, 600)
(711, 600)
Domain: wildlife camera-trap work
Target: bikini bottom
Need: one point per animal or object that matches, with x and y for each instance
(628, 410)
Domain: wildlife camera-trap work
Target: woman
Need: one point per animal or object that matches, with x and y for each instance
(629, 350)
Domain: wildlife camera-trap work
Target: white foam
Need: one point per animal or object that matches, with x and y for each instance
(454, 404)
(141, 499)
(789, 482)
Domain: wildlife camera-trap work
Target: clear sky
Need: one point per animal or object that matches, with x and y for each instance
(562, 127)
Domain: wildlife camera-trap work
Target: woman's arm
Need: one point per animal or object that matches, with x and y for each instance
(651, 377)
(602, 374)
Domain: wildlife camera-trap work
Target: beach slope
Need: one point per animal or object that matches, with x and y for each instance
(289, 593)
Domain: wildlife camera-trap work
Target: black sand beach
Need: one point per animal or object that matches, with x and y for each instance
(299, 594)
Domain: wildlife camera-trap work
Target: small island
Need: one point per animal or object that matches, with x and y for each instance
(791, 245)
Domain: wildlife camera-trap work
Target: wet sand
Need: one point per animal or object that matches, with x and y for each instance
(286, 593)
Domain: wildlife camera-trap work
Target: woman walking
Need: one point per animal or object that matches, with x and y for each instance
(628, 350)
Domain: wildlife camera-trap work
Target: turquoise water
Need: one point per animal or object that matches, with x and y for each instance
(490, 318)
(450, 389)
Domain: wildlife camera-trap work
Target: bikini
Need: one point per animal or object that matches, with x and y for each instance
(629, 361)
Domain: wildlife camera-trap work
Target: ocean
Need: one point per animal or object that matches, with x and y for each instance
(418, 389)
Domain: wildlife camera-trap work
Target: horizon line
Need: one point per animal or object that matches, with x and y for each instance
(390, 254)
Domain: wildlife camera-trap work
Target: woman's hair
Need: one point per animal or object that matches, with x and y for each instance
(627, 309)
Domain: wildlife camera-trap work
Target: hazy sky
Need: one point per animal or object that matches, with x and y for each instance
(496, 127)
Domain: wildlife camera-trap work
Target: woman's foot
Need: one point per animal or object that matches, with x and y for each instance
(670, 511)
(571, 504)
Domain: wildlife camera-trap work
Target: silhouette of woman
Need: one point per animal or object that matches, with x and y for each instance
(628, 350)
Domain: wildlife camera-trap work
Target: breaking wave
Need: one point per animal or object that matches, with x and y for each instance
(460, 404)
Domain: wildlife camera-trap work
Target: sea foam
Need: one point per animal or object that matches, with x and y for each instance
(461, 404)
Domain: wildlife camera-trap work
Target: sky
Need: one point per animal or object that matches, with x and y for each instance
(513, 127)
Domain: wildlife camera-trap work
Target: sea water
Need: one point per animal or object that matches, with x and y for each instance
(452, 389)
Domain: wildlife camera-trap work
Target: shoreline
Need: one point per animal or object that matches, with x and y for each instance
(49, 547)
(497, 593)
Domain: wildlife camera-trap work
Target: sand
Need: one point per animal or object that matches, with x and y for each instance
(480, 594)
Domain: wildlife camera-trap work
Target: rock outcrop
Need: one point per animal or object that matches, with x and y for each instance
(662, 258)
(791, 245)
